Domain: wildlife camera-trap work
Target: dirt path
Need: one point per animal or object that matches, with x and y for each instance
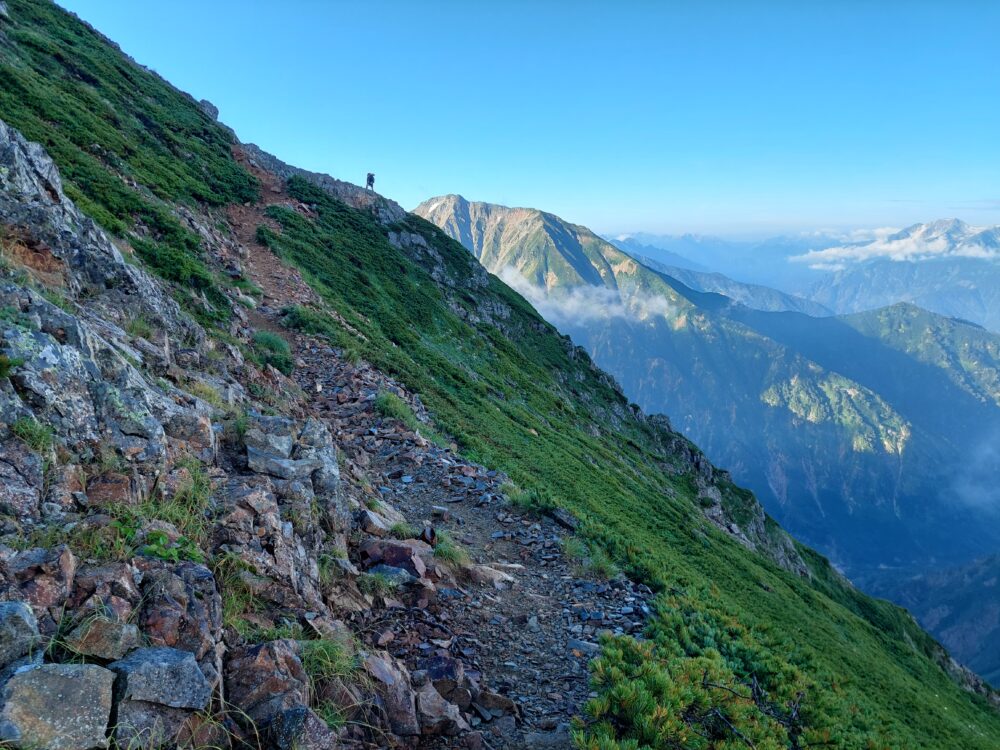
(526, 638)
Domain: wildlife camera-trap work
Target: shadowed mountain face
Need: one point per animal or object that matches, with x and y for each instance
(967, 288)
(865, 434)
(960, 605)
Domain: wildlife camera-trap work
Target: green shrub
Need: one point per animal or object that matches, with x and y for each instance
(376, 584)
(403, 530)
(273, 350)
(205, 392)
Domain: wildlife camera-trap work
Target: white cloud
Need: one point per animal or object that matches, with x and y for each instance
(585, 304)
(939, 239)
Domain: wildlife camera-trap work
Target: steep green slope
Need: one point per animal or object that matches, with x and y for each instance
(520, 397)
(127, 144)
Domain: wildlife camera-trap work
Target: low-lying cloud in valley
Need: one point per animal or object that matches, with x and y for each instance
(585, 304)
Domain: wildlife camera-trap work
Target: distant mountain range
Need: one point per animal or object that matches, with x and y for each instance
(861, 433)
(946, 266)
(757, 296)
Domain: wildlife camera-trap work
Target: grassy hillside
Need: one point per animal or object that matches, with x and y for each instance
(521, 398)
(127, 144)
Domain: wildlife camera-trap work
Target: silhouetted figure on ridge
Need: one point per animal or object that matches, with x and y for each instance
(371, 182)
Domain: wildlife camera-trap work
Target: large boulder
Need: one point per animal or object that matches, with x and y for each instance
(182, 608)
(57, 707)
(157, 691)
(280, 570)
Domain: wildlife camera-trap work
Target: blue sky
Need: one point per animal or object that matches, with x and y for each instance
(725, 118)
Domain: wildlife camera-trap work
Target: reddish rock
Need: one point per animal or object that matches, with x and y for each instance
(266, 679)
(182, 608)
(392, 681)
(108, 588)
(436, 715)
(110, 489)
(403, 554)
(43, 578)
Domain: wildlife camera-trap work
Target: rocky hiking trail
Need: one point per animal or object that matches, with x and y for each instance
(517, 618)
(199, 551)
(520, 618)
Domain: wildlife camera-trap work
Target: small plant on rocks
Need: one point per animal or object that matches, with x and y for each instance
(7, 364)
(449, 550)
(376, 584)
(273, 350)
(404, 531)
(33, 433)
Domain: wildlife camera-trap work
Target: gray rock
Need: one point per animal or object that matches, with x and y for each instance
(57, 707)
(268, 443)
(103, 638)
(283, 468)
(299, 728)
(162, 675)
(20, 480)
(18, 631)
(586, 648)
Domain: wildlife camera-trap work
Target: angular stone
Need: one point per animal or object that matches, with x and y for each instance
(103, 638)
(284, 468)
(141, 724)
(18, 631)
(20, 480)
(266, 679)
(108, 588)
(195, 430)
(299, 728)
(110, 489)
(446, 673)
(57, 707)
(397, 554)
(372, 523)
(43, 578)
(162, 675)
(181, 607)
(436, 715)
(268, 443)
(393, 684)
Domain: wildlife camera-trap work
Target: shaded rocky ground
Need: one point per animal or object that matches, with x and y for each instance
(196, 550)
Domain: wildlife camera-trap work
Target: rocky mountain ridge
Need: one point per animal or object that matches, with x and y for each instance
(366, 437)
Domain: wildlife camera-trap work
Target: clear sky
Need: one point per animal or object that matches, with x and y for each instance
(719, 117)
